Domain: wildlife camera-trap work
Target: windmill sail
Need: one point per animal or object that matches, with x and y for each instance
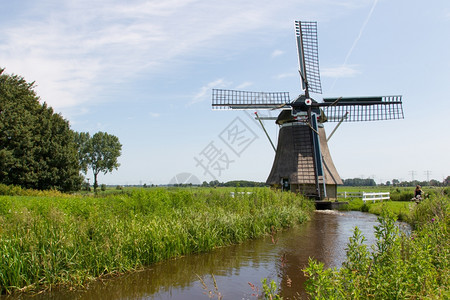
(231, 99)
(363, 108)
(308, 56)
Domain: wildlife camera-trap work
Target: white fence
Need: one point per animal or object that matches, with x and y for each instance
(350, 195)
(376, 196)
(366, 196)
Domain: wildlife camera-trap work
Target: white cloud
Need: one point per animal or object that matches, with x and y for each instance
(154, 115)
(77, 49)
(244, 85)
(71, 48)
(277, 52)
(340, 71)
(286, 75)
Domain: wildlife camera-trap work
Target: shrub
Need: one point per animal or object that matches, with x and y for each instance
(353, 204)
(401, 195)
(435, 207)
(13, 190)
(365, 207)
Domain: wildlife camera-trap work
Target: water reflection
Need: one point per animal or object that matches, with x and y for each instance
(323, 238)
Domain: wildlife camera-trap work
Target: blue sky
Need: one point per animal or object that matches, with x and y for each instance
(144, 70)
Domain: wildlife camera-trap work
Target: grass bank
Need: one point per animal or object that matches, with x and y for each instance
(397, 193)
(400, 203)
(402, 210)
(51, 239)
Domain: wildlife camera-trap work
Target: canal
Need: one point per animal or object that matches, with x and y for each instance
(279, 257)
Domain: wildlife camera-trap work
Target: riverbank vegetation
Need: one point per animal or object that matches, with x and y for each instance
(398, 266)
(57, 239)
(400, 203)
(396, 193)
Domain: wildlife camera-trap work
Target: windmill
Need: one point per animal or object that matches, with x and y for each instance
(302, 161)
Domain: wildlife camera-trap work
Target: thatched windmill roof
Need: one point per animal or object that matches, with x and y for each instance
(294, 158)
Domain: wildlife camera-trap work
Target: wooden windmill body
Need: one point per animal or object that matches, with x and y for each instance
(293, 167)
(303, 162)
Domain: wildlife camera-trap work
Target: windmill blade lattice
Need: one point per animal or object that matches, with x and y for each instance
(363, 108)
(231, 99)
(308, 55)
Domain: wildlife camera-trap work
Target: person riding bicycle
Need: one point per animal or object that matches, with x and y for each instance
(418, 192)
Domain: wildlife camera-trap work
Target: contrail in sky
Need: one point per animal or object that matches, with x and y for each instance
(361, 30)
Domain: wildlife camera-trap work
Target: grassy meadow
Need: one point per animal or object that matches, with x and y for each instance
(48, 238)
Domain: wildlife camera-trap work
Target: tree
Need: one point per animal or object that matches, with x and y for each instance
(36, 145)
(214, 183)
(99, 153)
(82, 140)
(434, 182)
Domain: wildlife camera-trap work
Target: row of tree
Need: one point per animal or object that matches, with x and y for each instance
(395, 182)
(432, 182)
(217, 183)
(234, 183)
(38, 149)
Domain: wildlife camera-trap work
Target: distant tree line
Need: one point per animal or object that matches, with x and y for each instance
(38, 150)
(347, 182)
(395, 182)
(359, 182)
(432, 182)
(216, 183)
(244, 183)
(233, 183)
